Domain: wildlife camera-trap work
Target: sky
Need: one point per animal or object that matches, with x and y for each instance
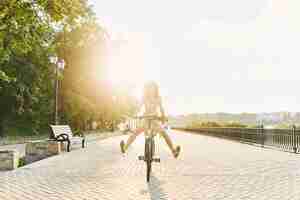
(208, 55)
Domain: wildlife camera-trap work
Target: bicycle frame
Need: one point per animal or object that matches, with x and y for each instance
(149, 147)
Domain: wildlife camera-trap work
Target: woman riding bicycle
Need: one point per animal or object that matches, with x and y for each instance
(152, 105)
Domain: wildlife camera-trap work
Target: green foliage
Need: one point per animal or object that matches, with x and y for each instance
(197, 124)
(235, 125)
(3, 77)
(283, 126)
(31, 32)
(25, 46)
(22, 162)
(86, 95)
(212, 124)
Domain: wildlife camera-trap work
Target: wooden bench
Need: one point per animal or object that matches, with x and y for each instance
(63, 133)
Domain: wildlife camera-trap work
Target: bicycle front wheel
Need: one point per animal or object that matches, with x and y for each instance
(148, 158)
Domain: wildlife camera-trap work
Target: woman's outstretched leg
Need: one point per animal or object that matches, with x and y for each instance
(131, 139)
(169, 142)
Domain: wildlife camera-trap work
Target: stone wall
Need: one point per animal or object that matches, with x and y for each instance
(9, 159)
(37, 150)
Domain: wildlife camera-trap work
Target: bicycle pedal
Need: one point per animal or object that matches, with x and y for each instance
(156, 160)
(141, 157)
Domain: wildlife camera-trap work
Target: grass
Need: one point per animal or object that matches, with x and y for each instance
(22, 162)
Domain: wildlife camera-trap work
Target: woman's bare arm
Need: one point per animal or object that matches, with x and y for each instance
(162, 111)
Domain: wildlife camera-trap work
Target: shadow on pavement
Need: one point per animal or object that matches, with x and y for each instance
(155, 190)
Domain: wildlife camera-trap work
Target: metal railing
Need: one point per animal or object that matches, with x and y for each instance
(284, 139)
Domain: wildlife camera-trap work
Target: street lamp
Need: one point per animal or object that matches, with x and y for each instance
(59, 66)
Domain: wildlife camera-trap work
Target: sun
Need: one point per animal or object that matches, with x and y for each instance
(127, 64)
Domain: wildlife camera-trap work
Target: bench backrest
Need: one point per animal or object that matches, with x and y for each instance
(61, 129)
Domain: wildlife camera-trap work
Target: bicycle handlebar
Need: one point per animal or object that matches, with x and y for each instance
(150, 117)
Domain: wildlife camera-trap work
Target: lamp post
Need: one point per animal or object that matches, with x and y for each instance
(59, 66)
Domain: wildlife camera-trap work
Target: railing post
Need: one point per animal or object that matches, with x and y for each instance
(258, 134)
(241, 135)
(294, 138)
(262, 135)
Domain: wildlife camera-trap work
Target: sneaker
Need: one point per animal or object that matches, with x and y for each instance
(122, 145)
(177, 152)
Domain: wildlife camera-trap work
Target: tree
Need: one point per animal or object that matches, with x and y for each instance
(212, 124)
(31, 31)
(84, 49)
(27, 39)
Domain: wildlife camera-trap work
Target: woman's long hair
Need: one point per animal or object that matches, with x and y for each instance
(151, 90)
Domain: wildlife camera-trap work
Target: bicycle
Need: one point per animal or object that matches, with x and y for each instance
(149, 152)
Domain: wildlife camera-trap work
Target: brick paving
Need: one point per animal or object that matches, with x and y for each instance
(90, 137)
(208, 168)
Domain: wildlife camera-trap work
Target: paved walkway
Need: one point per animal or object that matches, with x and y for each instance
(89, 138)
(209, 168)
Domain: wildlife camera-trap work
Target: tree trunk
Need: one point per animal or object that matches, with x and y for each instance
(1, 128)
(112, 126)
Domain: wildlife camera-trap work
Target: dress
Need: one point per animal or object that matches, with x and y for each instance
(152, 108)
